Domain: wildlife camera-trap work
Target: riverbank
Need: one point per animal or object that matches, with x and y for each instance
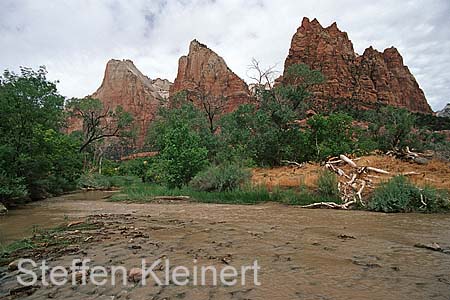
(309, 254)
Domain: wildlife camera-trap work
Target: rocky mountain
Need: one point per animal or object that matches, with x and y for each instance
(374, 77)
(203, 74)
(124, 85)
(445, 112)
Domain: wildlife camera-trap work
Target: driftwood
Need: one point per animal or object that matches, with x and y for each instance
(350, 162)
(376, 170)
(331, 205)
(74, 223)
(171, 198)
(358, 181)
(408, 155)
(300, 165)
(411, 173)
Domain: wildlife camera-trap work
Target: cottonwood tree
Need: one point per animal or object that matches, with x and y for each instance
(212, 106)
(99, 122)
(36, 158)
(297, 83)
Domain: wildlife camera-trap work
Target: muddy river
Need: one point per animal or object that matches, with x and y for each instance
(303, 254)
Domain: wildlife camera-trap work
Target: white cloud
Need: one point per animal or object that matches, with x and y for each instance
(75, 39)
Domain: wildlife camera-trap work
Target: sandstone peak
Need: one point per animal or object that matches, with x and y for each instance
(305, 21)
(195, 45)
(374, 77)
(124, 85)
(204, 72)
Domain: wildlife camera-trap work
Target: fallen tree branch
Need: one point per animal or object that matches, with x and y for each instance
(348, 161)
(353, 179)
(376, 170)
(410, 173)
(330, 205)
(168, 198)
(74, 223)
(363, 185)
(301, 165)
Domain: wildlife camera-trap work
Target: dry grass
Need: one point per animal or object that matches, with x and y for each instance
(435, 174)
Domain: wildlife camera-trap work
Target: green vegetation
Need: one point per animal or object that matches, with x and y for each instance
(330, 136)
(181, 158)
(400, 195)
(202, 152)
(147, 192)
(327, 185)
(390, 127)
(36, 159)
(98, 181)
(244, 195)
(99, 122)
(220, 178)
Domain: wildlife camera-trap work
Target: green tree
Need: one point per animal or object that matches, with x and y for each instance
(35, 157)
(184, 113)
(182, 156)
(297, 83)
(269, 133)
(392, 128)
(331, 135)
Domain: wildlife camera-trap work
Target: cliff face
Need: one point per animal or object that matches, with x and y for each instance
(124, 85)
(203, 73)
(445, 113)
(374, 77)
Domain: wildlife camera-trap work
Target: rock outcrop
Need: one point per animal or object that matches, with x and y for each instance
(374, 77)
(124, 85)
(204, 74)
(445, 113)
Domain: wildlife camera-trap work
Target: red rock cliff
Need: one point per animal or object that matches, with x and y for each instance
(374, 77)
(203, 72)
(124, 85)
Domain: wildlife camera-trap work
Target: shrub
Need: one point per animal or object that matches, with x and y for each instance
(220, 178)
(135, 167)
(400, 195)
(327, 185)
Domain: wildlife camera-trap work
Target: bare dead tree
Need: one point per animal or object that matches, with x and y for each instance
(263, 78)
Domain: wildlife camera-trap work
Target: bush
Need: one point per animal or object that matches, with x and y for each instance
(327, 185)
(400, 195)
(136, 167)
(220, 178)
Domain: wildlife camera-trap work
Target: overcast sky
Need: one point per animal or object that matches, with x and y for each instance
(75, 39)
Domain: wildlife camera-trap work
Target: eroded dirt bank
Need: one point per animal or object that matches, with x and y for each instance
(303, 254)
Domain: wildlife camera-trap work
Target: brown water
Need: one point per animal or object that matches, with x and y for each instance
(304, 254)
(19, 223)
